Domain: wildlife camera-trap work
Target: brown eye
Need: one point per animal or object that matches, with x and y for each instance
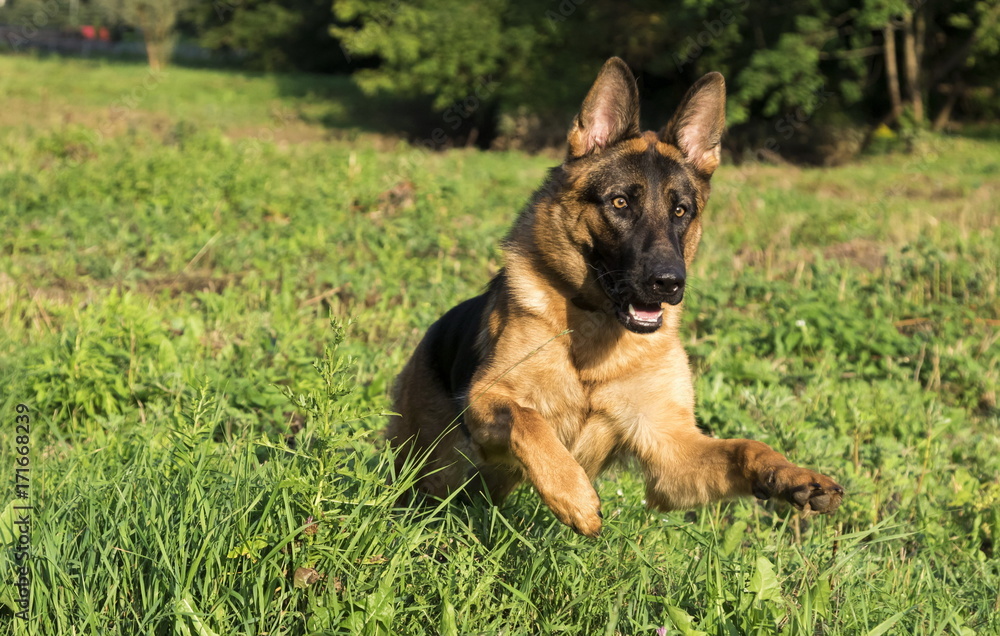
(619, 203)
(680, 211)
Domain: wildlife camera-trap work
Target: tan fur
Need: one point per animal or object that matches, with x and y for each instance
(564, 389)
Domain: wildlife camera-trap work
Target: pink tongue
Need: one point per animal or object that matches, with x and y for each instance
(646, 315)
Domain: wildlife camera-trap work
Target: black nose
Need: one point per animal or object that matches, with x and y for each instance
(667, 283)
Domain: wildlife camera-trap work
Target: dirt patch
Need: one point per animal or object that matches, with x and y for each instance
(65, 291)
(184, 283)
(110, 122)
(285, 132)
(839, 191)
(861, 252)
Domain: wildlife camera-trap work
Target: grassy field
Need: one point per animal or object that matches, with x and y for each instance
(209, 281)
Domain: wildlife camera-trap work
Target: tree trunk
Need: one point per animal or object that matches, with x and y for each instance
(920, 30)
(153, 54)
(159, 46)
(914, 95)
(955, 92)
(892, 72)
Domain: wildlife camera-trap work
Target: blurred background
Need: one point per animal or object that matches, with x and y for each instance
(814, 81)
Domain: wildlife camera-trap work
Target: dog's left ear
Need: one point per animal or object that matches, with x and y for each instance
(610, 112)
(697, 125)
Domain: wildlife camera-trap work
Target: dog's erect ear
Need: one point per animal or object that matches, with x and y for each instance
(609, 114)
(696, 128)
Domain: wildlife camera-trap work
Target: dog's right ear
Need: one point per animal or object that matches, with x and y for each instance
(610, 112)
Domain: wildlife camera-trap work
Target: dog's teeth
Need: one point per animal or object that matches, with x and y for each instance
(644, 315)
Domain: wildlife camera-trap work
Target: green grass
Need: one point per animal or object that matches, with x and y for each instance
(204, 444)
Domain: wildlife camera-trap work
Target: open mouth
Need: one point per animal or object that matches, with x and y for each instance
(641, 318)
(638, 316)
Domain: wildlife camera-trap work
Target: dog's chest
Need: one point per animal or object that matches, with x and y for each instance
(583, 412)
(593, 413)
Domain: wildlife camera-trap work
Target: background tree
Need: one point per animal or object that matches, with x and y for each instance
(800, 68)
(156, 19)
(273, 35)
(808, 79)
(966, 71)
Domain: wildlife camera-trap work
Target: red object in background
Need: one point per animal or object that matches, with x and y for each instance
(104, 35)
(88, 32)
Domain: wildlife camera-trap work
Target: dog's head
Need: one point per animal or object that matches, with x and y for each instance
(631, 202)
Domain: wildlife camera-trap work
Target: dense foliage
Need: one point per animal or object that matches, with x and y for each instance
(793, 67)
(809, 79)
(273, 34)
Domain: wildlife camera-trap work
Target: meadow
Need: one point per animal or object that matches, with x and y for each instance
(209, 280)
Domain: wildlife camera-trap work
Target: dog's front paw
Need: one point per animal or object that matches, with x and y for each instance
(574, 502)
(804, 489)
(583, 514)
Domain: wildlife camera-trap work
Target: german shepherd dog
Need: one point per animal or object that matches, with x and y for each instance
(572, 357)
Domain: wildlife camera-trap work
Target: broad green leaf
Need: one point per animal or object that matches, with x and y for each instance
(186, 610)
(820, 595)
(448, 626)
(734, 537)
(682, 621)
(764, 582)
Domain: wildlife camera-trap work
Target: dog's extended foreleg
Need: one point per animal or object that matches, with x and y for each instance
(685, 468)
(507, 432)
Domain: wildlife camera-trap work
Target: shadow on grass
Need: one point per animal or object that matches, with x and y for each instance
(347, 107)
(981, 132)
